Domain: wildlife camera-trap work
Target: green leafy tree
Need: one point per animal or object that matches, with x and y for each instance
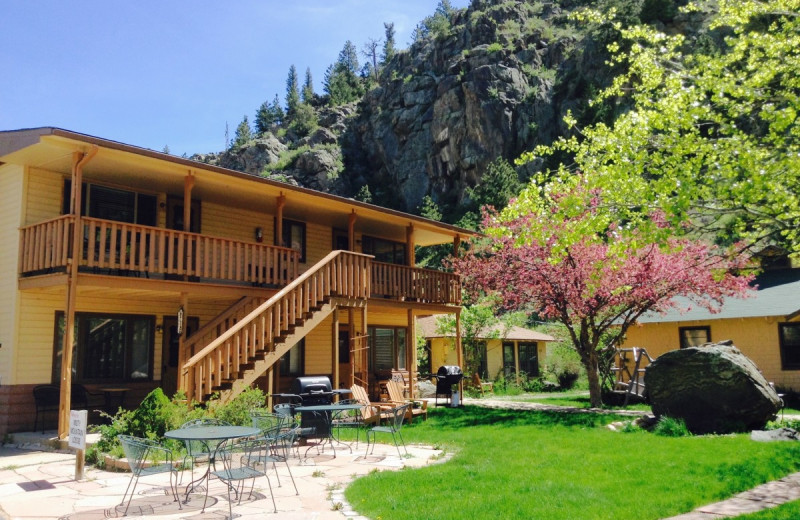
(307, 94)
(712, 135)
(243, 134)
(342, 83)
(292, 92)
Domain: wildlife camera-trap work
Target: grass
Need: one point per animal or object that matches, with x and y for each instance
(511, 464)
(788, 511)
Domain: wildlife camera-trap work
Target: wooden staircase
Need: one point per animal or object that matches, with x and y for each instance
(253, 342)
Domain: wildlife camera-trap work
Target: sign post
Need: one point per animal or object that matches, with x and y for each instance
(78, 420)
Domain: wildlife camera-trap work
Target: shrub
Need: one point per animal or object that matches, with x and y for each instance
(671, 427)
(564, 365)
(237, 411)
(494, 47)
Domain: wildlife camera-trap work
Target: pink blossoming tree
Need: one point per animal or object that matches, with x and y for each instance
(557, 252)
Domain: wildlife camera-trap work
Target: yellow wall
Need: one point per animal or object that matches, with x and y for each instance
(12, 182)
(37, 331)
(443, 353)
(757, 338)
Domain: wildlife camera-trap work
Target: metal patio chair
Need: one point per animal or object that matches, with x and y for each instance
(147, 457)
(243, 459)
(396, 417)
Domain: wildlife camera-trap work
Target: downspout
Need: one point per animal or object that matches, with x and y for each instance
(72, 290)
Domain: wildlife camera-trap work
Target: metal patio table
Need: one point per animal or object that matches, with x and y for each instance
(215, 436)
(326, 411)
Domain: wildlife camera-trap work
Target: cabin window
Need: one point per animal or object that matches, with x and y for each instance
(107, 348)
(483, 369)
(694, 336)
(388, 347)
(790, 345)
(294, 237)
(292, 362)
(509, 365)
(385, 251)
(529, 358)
(113, 204)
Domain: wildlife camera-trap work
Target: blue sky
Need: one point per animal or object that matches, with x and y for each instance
(166, 73)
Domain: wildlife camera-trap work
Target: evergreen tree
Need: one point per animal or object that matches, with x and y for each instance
(243, 134)
(364, 195)
(268, 115)
(388, 42)
(292, 91)
(342, 83)
(307, 95)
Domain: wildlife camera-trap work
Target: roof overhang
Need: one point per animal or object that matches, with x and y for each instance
(53, 148)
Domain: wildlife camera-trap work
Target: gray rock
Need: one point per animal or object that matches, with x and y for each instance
(713, 388)
(781, 434)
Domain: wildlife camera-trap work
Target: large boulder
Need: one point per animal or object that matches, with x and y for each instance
(713, 388)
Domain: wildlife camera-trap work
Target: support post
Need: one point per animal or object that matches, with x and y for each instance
(279, 220)
(351, 231)
(184, 356)
(411, 352)
(411, 259)
(335, 347)
(79, 159)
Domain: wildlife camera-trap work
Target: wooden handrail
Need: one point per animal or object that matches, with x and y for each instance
(222, 322)
(340, 273)
(45, 246)
(411, 283)
(111, 245)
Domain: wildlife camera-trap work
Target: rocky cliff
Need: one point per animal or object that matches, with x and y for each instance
(495, 81)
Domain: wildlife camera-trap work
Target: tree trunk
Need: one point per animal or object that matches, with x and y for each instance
(591, 364)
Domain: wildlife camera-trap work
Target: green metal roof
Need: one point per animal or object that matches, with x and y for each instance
(777, 294)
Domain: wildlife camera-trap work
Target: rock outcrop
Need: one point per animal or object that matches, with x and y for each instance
(713, 388)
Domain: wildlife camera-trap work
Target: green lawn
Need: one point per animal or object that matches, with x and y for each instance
(547, 465)
(788, 511)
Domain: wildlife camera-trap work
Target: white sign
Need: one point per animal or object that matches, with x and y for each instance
(77, 429)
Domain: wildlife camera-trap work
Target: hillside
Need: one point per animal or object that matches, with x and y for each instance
(489, 81)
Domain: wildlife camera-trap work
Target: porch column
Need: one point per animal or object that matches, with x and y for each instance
(351, 231)
(279, 220)
(183, 356)
(79, 159)
(411, 352)
(459, 352)
(335, 347)
(516, 360)
(188, 184)
(410, 253)
(456, 245)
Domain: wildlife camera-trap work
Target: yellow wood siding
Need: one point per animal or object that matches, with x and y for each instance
(235, 222)
(39, 311)
(44, 192)
(757, 338)
(12, 180)
(318, 349)
(319, 241)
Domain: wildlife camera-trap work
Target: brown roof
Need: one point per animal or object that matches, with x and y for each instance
(428, 328)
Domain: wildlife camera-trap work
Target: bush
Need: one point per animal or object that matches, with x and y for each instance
(671, 427)
(564, 365)
(237, 411)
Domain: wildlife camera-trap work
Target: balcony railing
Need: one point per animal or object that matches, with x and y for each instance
(414, 284)
(118, 248)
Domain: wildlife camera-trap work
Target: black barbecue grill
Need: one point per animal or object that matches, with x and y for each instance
(313, 391)
(446, 377)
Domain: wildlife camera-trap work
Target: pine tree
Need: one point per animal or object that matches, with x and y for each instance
(342, 83)
(268, 115)
(307, 95)
(243, 134)
(292, 92)
(388, 42)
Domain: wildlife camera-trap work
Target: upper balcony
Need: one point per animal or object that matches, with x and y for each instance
(121, 249)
